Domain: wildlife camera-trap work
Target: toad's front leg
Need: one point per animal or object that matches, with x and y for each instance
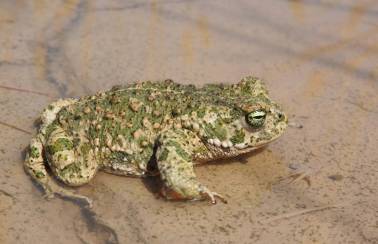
(174, 160)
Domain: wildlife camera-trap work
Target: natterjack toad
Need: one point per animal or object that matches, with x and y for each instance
(175, 126)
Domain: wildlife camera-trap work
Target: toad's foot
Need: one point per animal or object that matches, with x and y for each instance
(52, 190)
(75, 197)
(34, 165)
(212, 195)
(203, 193)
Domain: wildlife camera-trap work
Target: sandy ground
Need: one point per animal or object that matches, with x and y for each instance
(318, 58)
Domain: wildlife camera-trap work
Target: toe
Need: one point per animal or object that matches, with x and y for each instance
(212, 196)
(221, 197)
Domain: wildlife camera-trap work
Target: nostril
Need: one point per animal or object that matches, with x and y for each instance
(280, 116)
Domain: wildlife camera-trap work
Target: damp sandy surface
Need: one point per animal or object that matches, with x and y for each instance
(318, 58)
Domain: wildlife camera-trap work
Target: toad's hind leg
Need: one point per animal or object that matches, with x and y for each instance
(73, 164)
(35, 161)
(176, 167)
(72, 161)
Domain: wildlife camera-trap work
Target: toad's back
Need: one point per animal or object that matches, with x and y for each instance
(122, 124)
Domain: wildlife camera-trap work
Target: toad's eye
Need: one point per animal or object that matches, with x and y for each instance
(256, 118)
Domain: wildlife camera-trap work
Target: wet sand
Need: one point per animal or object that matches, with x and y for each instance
(318, 58)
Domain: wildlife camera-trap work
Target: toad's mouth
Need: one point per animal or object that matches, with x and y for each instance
(250, 148)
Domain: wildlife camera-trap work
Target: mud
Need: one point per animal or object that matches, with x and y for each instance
(318, 58)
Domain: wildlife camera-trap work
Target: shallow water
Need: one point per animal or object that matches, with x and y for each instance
(318, 58)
